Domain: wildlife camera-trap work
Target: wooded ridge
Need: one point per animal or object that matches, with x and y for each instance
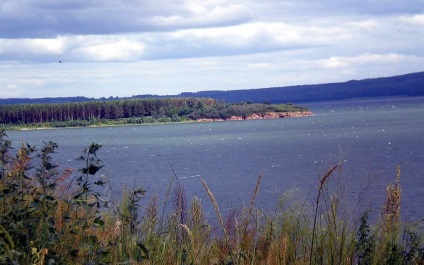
(133, 111)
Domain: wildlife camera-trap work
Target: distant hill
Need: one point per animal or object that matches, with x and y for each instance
(408, 85)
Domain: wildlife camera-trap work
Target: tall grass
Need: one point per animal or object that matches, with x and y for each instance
(50, 217)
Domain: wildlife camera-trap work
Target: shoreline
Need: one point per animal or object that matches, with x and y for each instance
(261, 116)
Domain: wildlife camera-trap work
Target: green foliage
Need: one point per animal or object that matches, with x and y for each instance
(28, 203)
(413, 250)
(5, 146)
(85, 181)
(31, 231)
(365, 242)
(51, 217)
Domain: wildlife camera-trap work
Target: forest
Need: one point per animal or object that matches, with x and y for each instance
(130, 111)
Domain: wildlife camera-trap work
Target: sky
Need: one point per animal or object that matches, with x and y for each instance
(134, 47)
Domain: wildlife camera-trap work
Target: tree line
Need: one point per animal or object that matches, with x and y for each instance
(85, 111)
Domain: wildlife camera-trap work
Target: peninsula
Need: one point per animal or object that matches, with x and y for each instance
(139, 111)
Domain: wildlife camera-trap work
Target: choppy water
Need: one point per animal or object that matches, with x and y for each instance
(370, 137)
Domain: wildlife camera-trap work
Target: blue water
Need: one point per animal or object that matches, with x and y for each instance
(369, 137)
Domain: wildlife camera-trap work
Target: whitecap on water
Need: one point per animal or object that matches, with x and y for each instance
(192, 176)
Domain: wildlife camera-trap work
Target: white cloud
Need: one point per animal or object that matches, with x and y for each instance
(367, 59)
(10, 90)
(30, 47)
(113, 50)
(73, 48)
(249, 38)
(50, 46)
(418, 19)
(201, 15)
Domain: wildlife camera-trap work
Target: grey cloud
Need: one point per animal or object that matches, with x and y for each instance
(49, 18)
(364, 7)
(187, 44)
(308, 10)
(43, 19)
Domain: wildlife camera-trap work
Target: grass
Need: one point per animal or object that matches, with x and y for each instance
(60, 217)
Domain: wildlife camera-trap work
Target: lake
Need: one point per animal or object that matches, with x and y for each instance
(370, 137)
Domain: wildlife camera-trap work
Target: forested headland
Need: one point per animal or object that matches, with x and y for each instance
(132, 111)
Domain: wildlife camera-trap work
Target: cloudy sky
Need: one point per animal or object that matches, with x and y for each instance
(132, 47)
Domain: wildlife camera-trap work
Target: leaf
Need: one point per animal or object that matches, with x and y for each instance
(100, 182)
(139, 191)
(94, 148)
(50, 166)
(144, 249)
(92, 169)
(98, 222)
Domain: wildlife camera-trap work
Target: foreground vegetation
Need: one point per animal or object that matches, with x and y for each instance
(51, 217)
(129, 111)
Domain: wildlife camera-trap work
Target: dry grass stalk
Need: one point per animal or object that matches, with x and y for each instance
(152, 212)
(61, 181)
(180, 202)
(391, 208)
(196, 212)
(187, 230)
(326, 175)
(277, 253)
(321, 185)
(116, 231)
(246, 221)
(20, 164)
(216, 208)
(200, 231)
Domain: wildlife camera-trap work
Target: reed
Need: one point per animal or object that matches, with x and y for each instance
(217, 211)
(321, 185)
(391, 208)
(134, 231)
